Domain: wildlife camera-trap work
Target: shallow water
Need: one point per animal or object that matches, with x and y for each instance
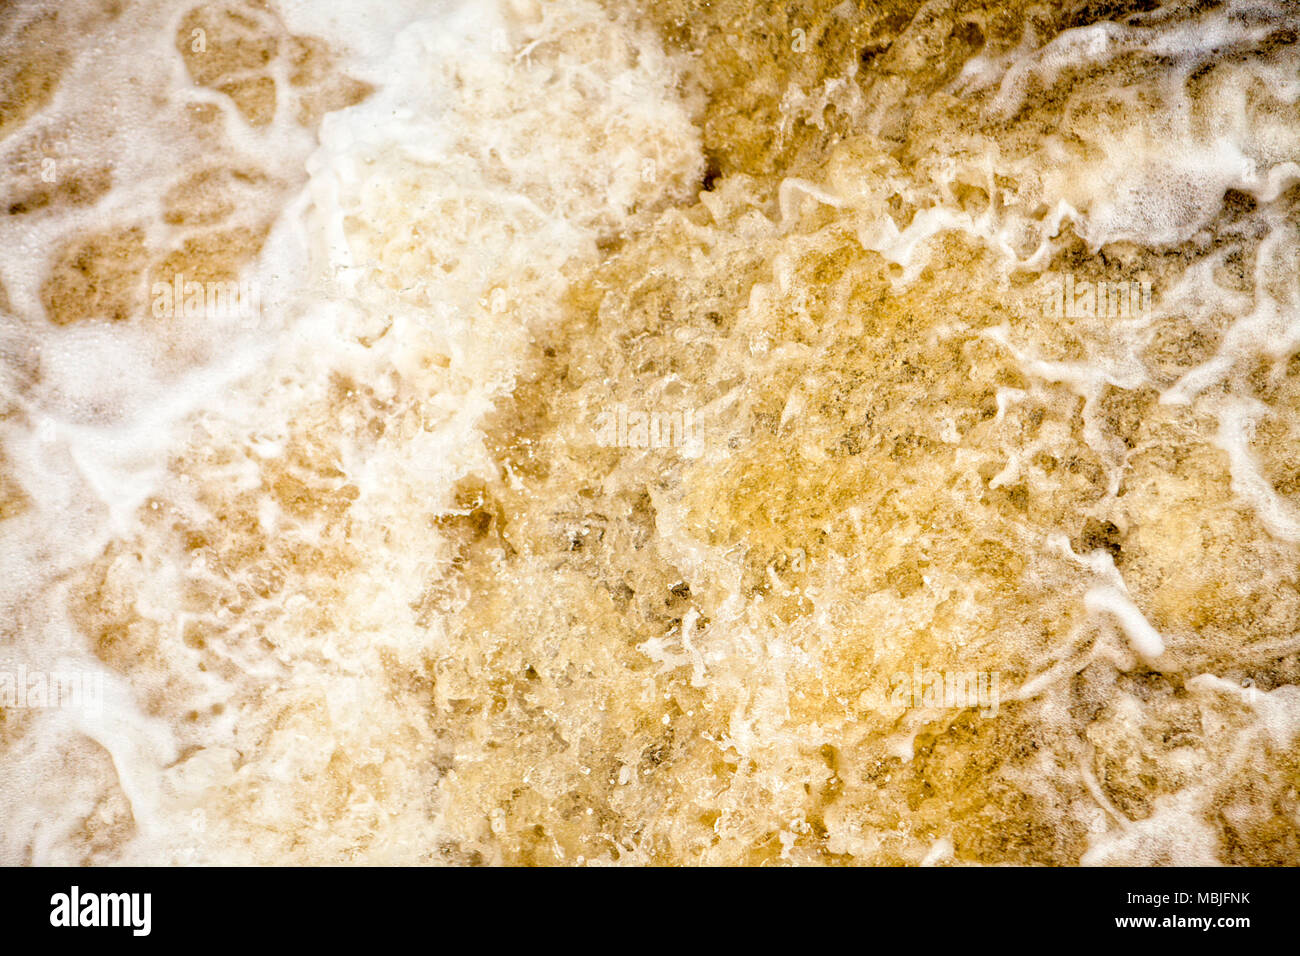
(572, 432)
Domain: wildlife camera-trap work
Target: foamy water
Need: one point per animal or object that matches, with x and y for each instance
(573, 432)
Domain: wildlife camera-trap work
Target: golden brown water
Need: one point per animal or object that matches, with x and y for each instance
(646, 403)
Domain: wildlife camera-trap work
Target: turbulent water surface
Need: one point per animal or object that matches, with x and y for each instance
(561, 431)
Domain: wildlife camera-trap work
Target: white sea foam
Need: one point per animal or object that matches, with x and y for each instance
(469, 155)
